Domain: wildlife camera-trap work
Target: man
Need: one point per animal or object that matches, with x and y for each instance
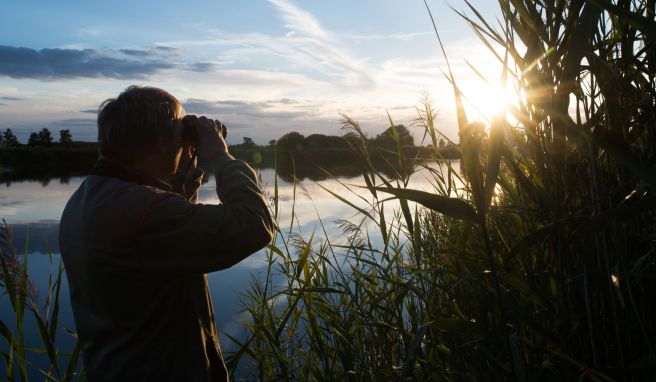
(136, 251)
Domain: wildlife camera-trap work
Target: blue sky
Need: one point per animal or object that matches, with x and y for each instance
(264, 67)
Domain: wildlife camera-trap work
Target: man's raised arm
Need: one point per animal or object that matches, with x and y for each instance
(178, 236)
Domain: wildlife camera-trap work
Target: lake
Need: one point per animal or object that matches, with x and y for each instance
(33, 210)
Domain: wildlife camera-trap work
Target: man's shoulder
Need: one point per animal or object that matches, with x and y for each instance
(103, 201)
(111, 183)
(103, 189)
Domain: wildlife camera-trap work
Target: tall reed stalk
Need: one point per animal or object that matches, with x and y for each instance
(536, 261)
(18, 356)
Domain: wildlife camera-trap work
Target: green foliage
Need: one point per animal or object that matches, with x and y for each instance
(10, 139)
(42, 138)
(42, 163)
(393, 135)
(248, 143)
(290, 141)
(65, 137)
(321, 141)
(34, 140)
(534, 260)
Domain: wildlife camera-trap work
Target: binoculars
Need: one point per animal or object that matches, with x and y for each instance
(189, 133)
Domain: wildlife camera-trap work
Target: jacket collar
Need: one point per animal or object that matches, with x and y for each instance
(106, 167)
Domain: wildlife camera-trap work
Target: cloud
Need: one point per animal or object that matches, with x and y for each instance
(390, 36)
(90, 32)
(244, 109)
(135, 52)
(168, 49)
(90, 111)
(287, 101)
(264, 120)
(312, 39)
(202, 67)
(300, 21)
(402, 108)
(8, 98)
(306, 49)
(5, 202)
(76, 122)
(58, 64)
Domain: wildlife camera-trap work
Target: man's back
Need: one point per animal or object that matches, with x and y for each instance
(135, 256)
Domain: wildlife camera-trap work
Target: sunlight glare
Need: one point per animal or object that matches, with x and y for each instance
(484, 101)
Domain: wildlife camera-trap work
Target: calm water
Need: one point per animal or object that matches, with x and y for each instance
(34, 208)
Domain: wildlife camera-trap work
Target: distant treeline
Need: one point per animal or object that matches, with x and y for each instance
(293, 153)
(320, 148)
(37, 163)
(42, 138)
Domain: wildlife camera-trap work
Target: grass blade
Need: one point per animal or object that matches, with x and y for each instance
(452, 207)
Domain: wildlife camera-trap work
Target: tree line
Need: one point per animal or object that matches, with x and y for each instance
(42, 138)
(295, 141)
(292, 141)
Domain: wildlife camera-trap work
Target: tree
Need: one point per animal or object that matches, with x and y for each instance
(45, 137)
(10, 139)
(34, 140)
(352, 139)
(291, 141)
(387, 138)
(272, 143)
(321, 141)
(65, 137)
(248, 143)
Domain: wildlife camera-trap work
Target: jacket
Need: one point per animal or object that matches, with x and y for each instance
(136, 255)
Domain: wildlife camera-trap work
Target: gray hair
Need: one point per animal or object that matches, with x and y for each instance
(138, 121)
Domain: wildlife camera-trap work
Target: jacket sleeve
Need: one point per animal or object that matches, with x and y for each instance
(181, 237)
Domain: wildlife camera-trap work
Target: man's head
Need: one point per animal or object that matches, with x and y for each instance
(140, 122)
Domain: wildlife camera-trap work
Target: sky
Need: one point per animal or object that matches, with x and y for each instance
(262, 67)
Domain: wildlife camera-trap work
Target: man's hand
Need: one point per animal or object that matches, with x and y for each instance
(189, 176)
(210, 136)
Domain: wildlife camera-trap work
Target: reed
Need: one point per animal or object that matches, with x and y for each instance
(19, 356)
(534, 262)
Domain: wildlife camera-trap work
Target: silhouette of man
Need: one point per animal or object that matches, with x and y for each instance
(136, 246)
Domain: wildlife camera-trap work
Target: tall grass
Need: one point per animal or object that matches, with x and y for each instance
(534, 262)
(18, 356)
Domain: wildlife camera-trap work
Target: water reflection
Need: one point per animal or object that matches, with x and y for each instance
(37, 237)
(33, 208)
(286, 169)
(10, 177)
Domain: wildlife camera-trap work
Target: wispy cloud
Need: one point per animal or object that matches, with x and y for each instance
(381, 36)
(311, 38)
(308, 50)
(301, 21)
(76, 122)
(90, 32)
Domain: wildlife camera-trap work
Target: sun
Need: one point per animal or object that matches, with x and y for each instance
(483, 101)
